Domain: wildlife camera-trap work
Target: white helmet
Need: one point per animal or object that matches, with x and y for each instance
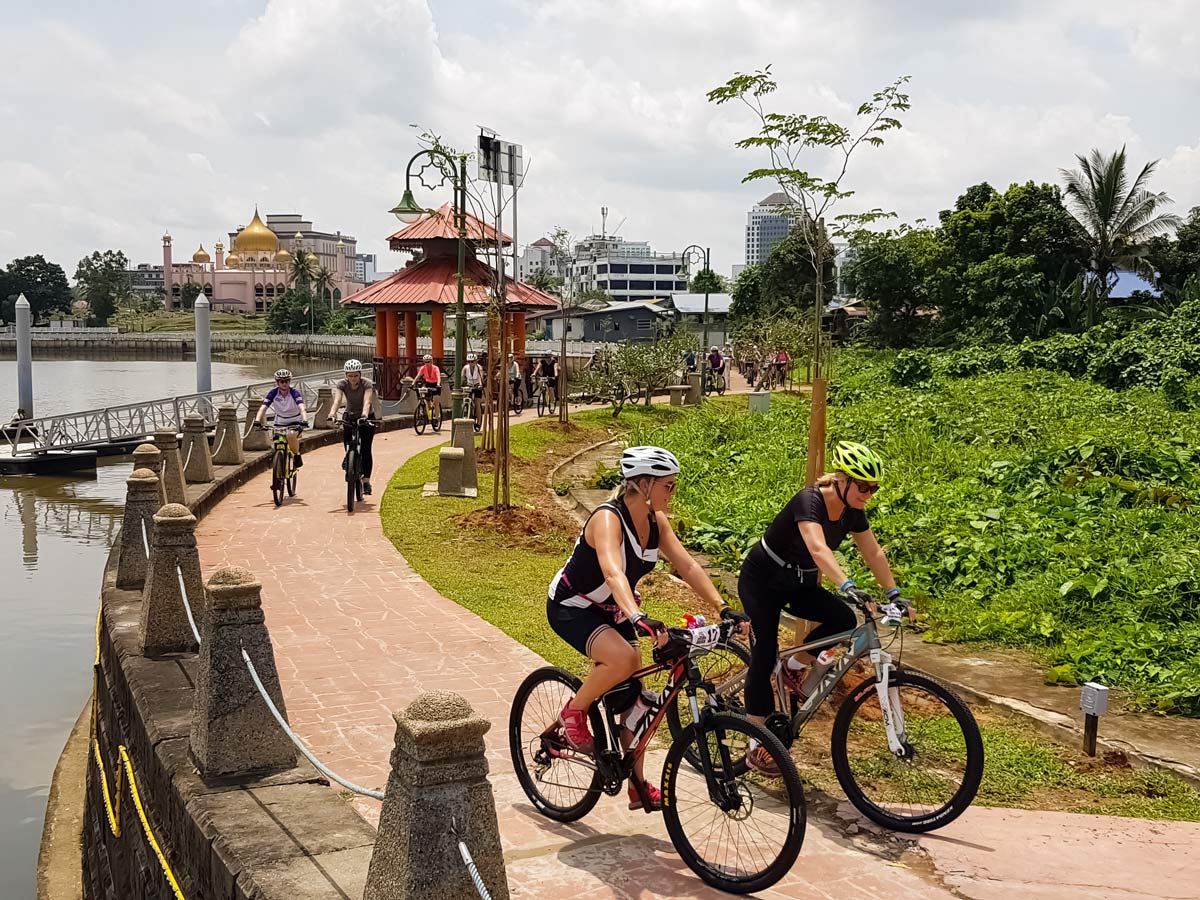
(654, 461)
(712, 349)
(470, 357)
(352, 365)
(428, 357)
(283, 373)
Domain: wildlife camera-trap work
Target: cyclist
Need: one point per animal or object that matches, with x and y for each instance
(429, 377)
(689, 361)
(514, 377)
(357, 395)
(781, 366)
(472, 376)
(784, 569)
(716, 362)
(593, 604)
(548, 369)
(288, 405)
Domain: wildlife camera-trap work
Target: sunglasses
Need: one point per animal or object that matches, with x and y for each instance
(865, 487)
(670, 486)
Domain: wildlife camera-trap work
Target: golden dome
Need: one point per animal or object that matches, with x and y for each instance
(219, 246)
(232, 261)
(201, 256)
(283, 257)
(299, 238)
(256, 238)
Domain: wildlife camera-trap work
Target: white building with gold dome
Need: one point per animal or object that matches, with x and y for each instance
(257, 270)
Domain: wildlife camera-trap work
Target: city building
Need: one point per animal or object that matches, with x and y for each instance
(631, 320)
(689, 315)
(257, 270)
(767, 224)
(624, 270)
(539, 256)
(146, 280)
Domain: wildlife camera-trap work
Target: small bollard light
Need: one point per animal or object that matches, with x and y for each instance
(1093, 700)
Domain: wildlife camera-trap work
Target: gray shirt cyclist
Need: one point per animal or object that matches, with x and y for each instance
(354, 395)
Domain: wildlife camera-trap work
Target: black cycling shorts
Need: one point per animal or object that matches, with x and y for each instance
(579, 626)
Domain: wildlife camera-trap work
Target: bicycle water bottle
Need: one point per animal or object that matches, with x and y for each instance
(824, 662)
(646, 701)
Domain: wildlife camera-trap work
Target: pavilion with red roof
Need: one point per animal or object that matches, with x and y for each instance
(430, 284)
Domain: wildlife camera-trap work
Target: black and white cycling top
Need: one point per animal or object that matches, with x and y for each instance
(580, 583)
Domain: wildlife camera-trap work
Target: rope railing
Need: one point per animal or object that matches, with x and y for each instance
(187, 462)
(220, 441)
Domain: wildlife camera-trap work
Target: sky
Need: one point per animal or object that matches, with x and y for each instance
(120, 121)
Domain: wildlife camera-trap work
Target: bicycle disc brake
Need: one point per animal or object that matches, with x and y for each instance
(780, 726)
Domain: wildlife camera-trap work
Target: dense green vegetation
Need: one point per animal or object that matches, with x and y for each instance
(1021, 507)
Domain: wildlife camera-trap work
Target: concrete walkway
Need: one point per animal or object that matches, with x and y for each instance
(358, 635)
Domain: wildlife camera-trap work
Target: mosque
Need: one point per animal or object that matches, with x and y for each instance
(258, 268)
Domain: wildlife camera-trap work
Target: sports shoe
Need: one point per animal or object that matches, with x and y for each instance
(575, 729)
(760, 760)
(655, 795)
(366, 486)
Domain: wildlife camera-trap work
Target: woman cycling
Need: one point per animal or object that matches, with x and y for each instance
(287, 404)
(784, 569)
(592, 603)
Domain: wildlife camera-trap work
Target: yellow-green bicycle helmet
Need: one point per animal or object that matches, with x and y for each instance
(857, 461)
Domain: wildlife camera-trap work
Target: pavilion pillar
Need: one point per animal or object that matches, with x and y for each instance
(518, 332)
(410, 334)
(437, 331)
(380, 333)
(392, 338)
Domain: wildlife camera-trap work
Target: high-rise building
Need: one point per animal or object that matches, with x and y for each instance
(539, 256)
(767, 224)
(625, 270)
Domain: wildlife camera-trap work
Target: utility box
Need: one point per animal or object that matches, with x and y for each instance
(1093, 699)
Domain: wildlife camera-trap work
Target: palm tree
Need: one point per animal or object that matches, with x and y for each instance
(1118, 217)
(304, 268)
(323, 282)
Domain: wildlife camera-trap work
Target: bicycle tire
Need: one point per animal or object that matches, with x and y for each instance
(351, 478)
(278, 477)
(419, 418)
(520, 735)
(436, 419)
(721, 385)
(291, 485)
(477, 411)
(927, 820)
(358, 489)
(675, 712)
(541, 404)
(675, 794)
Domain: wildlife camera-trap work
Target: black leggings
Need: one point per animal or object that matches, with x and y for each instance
(766, 589)
(366, 434)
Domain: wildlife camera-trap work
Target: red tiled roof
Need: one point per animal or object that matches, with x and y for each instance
(440, 224)
(434, 281)
(543, 242)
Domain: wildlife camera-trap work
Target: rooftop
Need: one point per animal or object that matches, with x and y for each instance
(440, 224)
(434, 280)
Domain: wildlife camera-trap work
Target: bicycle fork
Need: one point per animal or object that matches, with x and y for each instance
(889, 703)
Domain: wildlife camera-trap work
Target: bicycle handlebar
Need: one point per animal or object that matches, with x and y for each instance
(682, 641)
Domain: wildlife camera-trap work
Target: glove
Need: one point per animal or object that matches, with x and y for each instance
(852, 592)
(651, 627)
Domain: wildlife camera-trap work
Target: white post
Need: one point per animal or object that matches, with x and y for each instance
(203, 346)
(24, 358)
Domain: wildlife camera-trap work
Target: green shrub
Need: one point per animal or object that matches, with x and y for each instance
(911, 368)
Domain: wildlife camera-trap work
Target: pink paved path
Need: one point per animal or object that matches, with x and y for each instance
(358, 634)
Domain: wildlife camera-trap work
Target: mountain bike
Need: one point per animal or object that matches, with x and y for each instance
(515, 401)
(737, 830)
(545, 398)
(352, 462)
(427, 412)
(283, 470)
(906, 749)
(714, 381)
(472, 408)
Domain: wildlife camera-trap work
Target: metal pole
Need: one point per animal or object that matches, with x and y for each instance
(460, 313)
(24, 357)
(203, 345)
(704, 350)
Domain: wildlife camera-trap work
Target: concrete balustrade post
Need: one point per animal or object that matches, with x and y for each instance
(197, 455)
(324, 405)
(141, 500)
(233, 733)
(227, 446)
(172, 467)
(408, 402)
(147, 456)
(693, 392)
(450, 472)
(439, 777)
(256, 439)
(163, 626)
(463, 437)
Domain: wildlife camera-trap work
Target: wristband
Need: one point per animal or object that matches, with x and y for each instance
(847, 584)
(892, 593)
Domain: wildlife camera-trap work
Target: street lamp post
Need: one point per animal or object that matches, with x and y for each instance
(698, 253)
(408, 211)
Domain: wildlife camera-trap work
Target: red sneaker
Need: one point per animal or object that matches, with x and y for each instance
(635, 799)
(575, 729)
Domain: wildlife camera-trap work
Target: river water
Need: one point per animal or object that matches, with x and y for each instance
(54, 536)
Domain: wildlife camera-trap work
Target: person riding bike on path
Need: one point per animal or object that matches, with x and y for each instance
(514, 377)
(592, 602)
(472, 376)
(784, 569)
(548, 369)
(716, 362)
(430, 376)
(288, 405)
(357, 395)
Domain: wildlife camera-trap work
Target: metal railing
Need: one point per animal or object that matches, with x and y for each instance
(125, 424)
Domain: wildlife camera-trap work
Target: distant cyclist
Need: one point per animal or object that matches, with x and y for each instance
(429, 377)
(514, 377)
(716, 362)
(357, 395)
(548, 369)
(472, 377)
(593, 604)
(288, 405)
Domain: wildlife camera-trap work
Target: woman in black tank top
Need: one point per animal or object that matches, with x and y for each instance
(592, 603)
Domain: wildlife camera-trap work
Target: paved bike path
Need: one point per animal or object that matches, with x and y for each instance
(358, 634)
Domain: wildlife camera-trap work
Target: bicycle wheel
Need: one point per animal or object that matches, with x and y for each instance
(278, 476)
(561, 786)
(541, 404)
(477, 414)
(721, 385)
(435, 418)
(735, 832)
(419, 420)
(291, 485)
(939, 772)
(722, 662)
(351, 478)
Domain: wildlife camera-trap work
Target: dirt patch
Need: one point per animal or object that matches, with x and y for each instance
(534, 527)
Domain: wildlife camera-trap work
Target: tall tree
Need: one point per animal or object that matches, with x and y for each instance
(895, 274)
(323, 284)
(787, 279)
(305, 267)
(706, 280)
(43, 283)
(1177, 259)
(188, 294)
(1120, 216)
(103, 281)
(747, 297)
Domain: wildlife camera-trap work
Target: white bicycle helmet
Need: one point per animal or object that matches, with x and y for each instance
(428, 357)
(283, 373)
(352, 365)
(654, 461)
(471, 357)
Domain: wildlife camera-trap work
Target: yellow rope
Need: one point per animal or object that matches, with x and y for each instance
(137, 802)
(114, 813)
